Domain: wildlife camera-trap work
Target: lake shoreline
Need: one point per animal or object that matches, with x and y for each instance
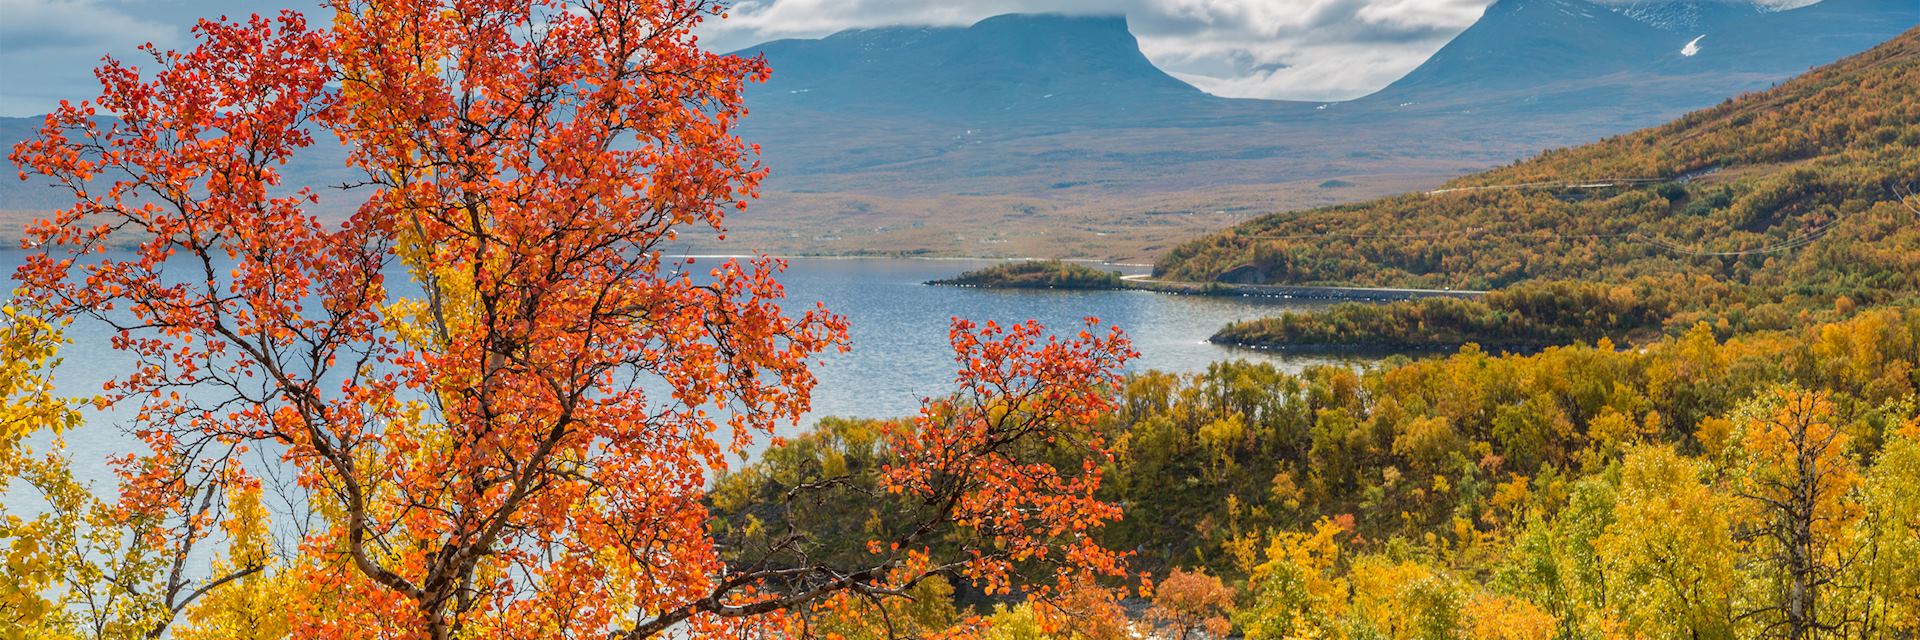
(841, 256)
(988, 278)
(1380, 350)
(1294, 292)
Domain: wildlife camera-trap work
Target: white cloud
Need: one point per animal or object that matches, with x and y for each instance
(1319, 72)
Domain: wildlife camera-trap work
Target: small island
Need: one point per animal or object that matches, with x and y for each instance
(1036, 274)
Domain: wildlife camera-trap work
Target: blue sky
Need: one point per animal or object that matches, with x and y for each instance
(1290, 49)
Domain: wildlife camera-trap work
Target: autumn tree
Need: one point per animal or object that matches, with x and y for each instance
(1884, 584)
(1296, 592)
(35, 558)
(80, 562)
(1189, 602)
(1497, 617)
(1669, 552)
(992, 486)
(499, 394)
(1084, 612)
(1799, 480)
(926, 609)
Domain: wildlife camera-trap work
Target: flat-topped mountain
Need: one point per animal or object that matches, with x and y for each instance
(1567, 58)
(1008, 67)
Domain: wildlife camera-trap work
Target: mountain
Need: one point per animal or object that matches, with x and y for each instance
(1053, 135)
(1799, 195)
(1685, 16)
(1795, 40)
(1522, 45)
(1004, 68)
(1556, 57)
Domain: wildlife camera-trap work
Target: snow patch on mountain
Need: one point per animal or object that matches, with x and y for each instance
(1683, 16)
(1693, 46)
(1666, 16)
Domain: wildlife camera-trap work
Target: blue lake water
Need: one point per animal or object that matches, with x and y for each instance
(898, 327)
(898, 331)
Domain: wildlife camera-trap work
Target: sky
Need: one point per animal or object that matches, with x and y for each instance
(1281, 49)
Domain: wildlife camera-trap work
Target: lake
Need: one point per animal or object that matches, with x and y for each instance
(897, 327)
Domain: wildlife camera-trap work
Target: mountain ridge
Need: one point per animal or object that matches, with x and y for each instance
(942, 141)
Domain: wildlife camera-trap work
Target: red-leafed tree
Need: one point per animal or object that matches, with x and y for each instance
(993, 485)
(498, 392)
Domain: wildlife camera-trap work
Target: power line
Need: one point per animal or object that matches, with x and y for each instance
(1782, 246)
(1898, 189)
(1369, 236)
(1600, 183)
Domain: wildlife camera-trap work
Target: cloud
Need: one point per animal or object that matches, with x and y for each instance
(1318, 72)
(1283, 49)
(48, 48)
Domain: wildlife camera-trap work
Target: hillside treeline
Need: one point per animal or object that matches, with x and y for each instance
(1541, 313)
(1758, 487)
(1808, 192)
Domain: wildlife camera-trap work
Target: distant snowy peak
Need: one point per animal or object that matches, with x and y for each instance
(1684, 16)
(1665, 16)
(1562, 10)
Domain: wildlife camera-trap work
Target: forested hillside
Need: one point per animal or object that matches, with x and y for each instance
(1755, 488)
(1796, 193)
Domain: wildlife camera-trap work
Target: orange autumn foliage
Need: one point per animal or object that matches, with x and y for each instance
(1189, 602)
(971, 457)
(499, 394)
